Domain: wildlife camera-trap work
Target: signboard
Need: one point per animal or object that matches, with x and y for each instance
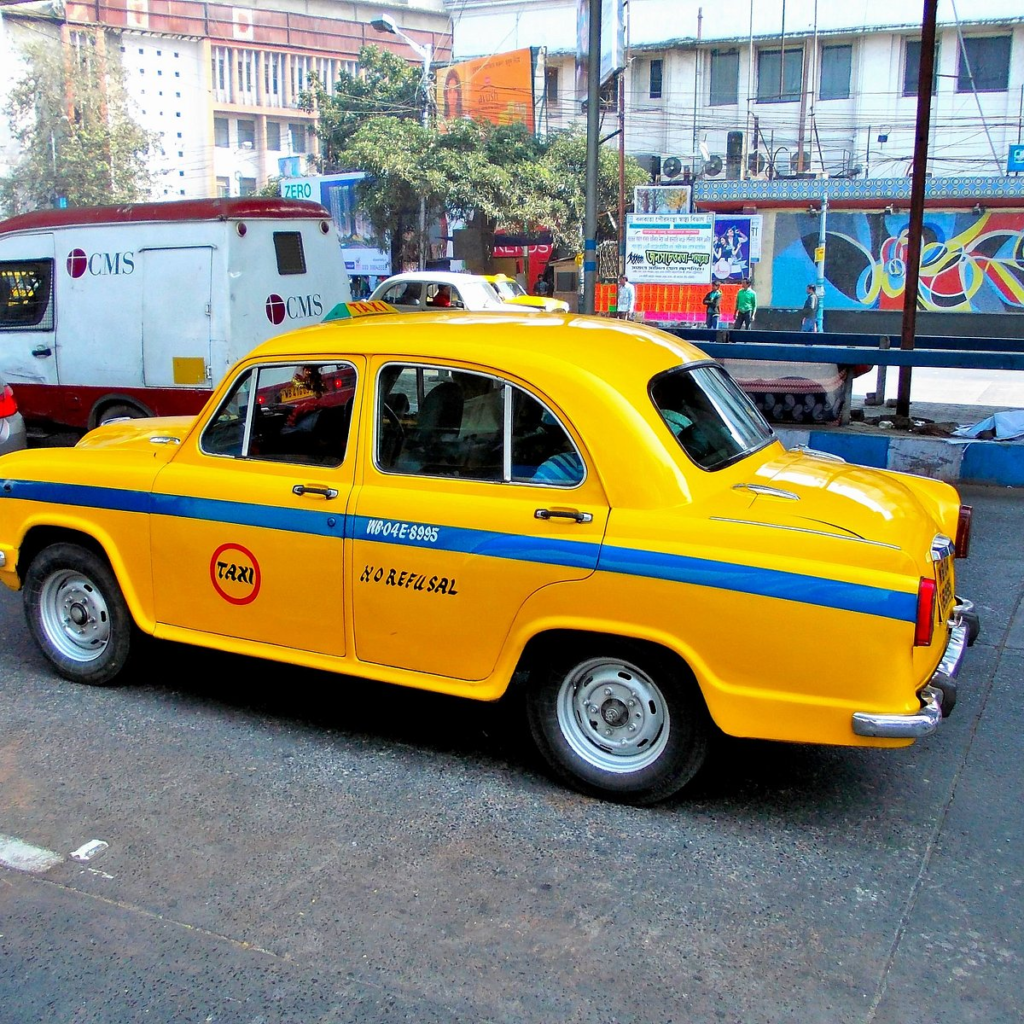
(498, 89)
(737, 245)
(612, 42)
(1015, 160)
(669, 249)
(338, 193)
(661, 199)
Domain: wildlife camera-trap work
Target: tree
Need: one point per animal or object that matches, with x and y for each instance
(497, 176)
(69, 114)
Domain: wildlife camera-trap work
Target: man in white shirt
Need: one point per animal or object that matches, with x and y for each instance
(625, 300)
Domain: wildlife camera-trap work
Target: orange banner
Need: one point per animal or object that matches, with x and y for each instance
(498, 89)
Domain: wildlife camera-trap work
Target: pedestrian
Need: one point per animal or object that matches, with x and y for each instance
(625, 300)
(713, 304)
(542, 288)
(809, 314)
(746, 306)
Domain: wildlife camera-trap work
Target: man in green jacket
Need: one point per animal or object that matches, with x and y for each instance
(746, 306)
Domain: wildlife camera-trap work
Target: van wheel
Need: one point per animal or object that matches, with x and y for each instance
(77, 614)
(120, 411)
(624, 724)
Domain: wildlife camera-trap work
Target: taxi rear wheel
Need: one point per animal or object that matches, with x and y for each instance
(77, 614)
(624, 724)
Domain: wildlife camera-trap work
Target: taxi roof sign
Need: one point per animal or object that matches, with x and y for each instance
(347, 310)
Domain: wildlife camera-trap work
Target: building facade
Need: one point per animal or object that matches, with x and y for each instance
(220, 85)
(776, 88)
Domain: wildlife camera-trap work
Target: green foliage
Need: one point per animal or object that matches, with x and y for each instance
(497, 175)
(70, 117)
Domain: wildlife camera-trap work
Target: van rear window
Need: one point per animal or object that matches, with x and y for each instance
(290, 257)
(25, 295)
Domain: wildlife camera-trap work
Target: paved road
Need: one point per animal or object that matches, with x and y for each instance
(290, 847)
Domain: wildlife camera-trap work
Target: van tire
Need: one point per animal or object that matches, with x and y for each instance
(119, 411)
(651, 705)
(77, 614)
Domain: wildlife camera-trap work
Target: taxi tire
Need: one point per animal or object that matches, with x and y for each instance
(78, 567)
(684, 748)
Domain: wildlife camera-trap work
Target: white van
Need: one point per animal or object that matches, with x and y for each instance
(139, 310)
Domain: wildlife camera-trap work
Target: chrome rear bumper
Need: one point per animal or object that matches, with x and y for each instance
(938, 696)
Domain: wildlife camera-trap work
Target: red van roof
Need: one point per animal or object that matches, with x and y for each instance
(249, 208)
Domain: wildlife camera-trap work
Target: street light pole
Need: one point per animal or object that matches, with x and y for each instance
(385, 23)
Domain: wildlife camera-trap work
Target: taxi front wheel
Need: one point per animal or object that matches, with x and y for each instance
(77, 615)
(627, 725)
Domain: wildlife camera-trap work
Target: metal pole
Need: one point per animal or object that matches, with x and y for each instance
(427, 53)
(917, 183)
(621, 267)
(819, 325)
(593, 143)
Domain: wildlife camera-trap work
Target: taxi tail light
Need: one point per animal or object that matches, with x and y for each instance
(8, 405)
(963, 531)
(925, 624)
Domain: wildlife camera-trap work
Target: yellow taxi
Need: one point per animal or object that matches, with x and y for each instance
(510, 290)
(454, 501)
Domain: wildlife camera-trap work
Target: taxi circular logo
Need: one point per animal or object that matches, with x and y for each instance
(77, 262)
(235, 574)
(275, 309)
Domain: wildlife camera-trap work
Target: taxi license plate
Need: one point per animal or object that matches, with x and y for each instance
(944, 582)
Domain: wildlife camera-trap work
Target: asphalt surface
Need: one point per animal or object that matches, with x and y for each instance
(286, 846)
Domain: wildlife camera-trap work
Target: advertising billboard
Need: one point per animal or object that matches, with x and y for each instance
(661, 199)
(613, 47)
(737, 245)
(669, 249)
(338, 193)
(498, 89)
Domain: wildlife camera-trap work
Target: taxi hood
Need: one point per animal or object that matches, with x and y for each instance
(148, 433)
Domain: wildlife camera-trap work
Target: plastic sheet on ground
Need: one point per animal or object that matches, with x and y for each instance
(1003, 426)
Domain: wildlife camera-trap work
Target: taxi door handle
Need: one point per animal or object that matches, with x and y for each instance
(563, 513)
(327, 492)
(42, 351)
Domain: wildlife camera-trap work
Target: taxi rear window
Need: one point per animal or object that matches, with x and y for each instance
(714, 422)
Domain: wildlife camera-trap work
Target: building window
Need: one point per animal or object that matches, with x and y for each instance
(780, 75)
(551, 85)
(912, 68)
(657, 68)
(836, 64)
(223, 188)
(246, 134)
(246, 186)
(725, 77)
(298, 134)
(988, 60)
(273, 135)
(220, 132)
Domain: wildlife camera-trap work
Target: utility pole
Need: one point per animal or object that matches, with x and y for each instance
(819, 319)
(925, 77)
(593, 144)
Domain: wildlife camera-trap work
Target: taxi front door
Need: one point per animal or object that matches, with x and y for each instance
(249, 520)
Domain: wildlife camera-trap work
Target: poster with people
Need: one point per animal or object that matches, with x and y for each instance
(737, 245)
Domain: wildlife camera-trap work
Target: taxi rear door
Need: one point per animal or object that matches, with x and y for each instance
(453, 529)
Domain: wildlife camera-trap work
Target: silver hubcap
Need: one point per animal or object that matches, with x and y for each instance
(613, 715)
(74, 616)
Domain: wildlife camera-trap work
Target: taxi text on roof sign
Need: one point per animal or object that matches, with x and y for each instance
(347, 310)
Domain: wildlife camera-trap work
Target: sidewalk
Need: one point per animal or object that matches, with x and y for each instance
(944, 396)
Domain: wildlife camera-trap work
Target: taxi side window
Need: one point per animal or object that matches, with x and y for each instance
(403, 294)
(454, 423)
(302, 414)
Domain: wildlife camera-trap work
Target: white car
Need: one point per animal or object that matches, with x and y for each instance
(437, 289)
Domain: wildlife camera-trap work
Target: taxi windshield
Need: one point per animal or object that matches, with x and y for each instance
(714, 422)
(508, 289)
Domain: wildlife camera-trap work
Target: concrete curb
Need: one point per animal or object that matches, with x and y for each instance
(975, 462)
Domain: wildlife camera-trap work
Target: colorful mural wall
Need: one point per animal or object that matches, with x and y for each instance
(969, 262)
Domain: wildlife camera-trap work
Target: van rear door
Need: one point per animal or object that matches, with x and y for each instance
(27, 311)
(176, 315)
